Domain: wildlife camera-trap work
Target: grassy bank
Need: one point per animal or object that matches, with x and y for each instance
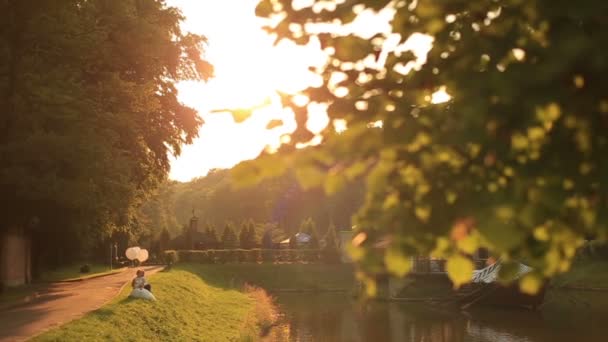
(193, 305)
(273, 277)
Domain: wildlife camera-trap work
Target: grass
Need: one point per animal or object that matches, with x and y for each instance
(283, 276)
(193, 305)
(14, 295)
(72, 272)
(588, 272)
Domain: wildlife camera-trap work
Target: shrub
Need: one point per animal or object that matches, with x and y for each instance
(292, 255)
(243, 255)
(254, 255)
(200, 257)
(267, 240)
(232, 255)
(311, 255)
(212, 257)
(85, 268)
(221, 256)
(331, 256)
(170, 257)
(268, 255)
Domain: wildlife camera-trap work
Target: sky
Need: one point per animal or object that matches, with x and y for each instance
(249, 69)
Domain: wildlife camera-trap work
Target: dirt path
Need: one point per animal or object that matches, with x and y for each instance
(62, 303)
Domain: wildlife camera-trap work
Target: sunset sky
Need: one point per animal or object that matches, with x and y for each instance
(248, 70)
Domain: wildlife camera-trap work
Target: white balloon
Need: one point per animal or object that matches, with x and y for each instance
(143, 255)
(132, 253)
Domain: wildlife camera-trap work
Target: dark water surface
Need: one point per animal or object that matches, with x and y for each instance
(565, 316)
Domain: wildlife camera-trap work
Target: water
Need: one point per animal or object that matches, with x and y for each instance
(566, 316)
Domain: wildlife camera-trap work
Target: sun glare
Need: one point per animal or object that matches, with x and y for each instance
(249, 70)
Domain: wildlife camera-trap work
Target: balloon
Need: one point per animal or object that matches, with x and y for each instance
(132, 253)
(143, 255)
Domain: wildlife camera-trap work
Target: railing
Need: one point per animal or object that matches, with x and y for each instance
(433, 265)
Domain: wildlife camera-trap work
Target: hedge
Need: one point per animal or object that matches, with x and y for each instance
(222, 256)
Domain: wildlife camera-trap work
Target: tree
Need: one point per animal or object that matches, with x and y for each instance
(512, 162)
(293, 242)
(229, 238)
(244, 239)
(331, 249)
(211, 237)
(331, 239)
(164, 240)
(310, 227)
(253, 240)
(267, 240)
(90, 114)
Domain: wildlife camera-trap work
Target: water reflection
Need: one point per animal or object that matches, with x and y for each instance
(334, 317)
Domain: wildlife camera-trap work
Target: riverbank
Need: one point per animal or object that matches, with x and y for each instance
(280, 277)
(193, 304)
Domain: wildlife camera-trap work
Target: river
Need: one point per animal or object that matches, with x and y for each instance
(565, 316)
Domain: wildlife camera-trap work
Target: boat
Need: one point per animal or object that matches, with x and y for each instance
(430, 283)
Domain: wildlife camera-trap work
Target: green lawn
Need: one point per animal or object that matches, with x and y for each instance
(282, 276)
(72, 272)
(193, 304)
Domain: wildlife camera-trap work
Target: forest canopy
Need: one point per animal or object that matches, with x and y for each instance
(90, 115)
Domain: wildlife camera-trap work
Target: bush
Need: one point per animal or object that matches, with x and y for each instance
(255, 255)
(221, 256)
(268, 255)
(331, 256)
(232, 256)
(170, 257)
(212, 257)
(85, 268)
(292, 255)
(243, 255)
(310, 255)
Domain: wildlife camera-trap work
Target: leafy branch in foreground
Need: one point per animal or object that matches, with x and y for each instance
(514, 161)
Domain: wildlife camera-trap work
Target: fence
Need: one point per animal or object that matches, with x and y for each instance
(223, 256)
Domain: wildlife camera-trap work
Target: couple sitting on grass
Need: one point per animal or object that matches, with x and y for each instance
(141, 288)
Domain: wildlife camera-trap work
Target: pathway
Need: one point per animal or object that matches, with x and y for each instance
(62, 303)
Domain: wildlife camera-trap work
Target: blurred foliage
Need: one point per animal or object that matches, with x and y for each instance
(514, 161)
(89, 116)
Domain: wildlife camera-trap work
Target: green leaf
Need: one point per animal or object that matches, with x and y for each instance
(460, 270)
(396, 262)
(530, 283)
(469, 244)
(351, 48)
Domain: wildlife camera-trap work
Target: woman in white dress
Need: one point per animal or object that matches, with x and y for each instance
(141, 288)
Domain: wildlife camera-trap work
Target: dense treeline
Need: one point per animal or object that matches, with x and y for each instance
(279, 203)
(89, 117)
